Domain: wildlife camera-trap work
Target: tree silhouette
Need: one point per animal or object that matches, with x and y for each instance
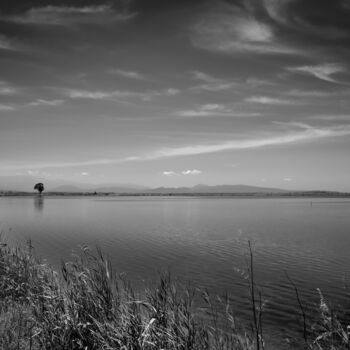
(39, 187)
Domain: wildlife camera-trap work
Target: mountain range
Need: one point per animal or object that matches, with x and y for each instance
(216, 189)
(26, 184)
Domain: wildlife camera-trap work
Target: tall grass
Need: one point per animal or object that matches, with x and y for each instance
(88, 306)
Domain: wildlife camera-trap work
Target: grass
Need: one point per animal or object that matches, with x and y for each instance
(88, 306)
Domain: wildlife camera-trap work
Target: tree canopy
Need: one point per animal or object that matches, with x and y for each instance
(39, 187)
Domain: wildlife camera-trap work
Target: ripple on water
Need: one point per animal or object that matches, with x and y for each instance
(205, 241)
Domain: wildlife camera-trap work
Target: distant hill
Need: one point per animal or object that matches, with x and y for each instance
(26, 183)
(200, 189)
(121, 189)
(68, 188)
(217, 189)
(107, 188)
(23, 185)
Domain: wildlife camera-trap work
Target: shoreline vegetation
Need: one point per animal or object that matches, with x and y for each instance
(86, 305)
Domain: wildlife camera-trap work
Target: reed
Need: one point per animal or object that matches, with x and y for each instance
(88, 306)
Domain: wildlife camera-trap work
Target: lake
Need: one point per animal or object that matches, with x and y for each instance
(204, 241)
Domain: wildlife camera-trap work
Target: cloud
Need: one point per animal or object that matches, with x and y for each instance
(44, 165)
(6, 89)
(6, 108)
(255, 82)
(169, 173)
(211, 110)
(191, 172)
(274, 27)
(84, 173)
(334, 117)
(6, 44)
(69, 15)
(321, 71)
(95, 95)
(269, 100)
(42, 102)
(210, 83)
(276, 9)
(128, 74)
(311, 93)
(304, 133)
(230, 29)
(287, 179)
(39, 174)
(204, 110)
(300, 17)
(118, 94)
(183, 172)
(204, 77)
(300, 133)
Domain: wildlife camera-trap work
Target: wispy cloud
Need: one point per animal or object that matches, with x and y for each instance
(300, 133)
(6, 108)
(6, 44)
(118, 94)
(276, 9)
(95, 95)
(303, 133)
(311, 93)
(232, 165)
(230, 29)
(205, 110)
(212, 110)
(183, 172)
(42, 102)
(322, 71)
(169, 173)
(256, 82)
(330, 117)
(269, 100)
(47, 164)
(204, 77)
(207, 82)
(68, 15)
(210, 83)
(41, 174)
(191, 172)
(297, 18)
(127, 74)
(6, 89)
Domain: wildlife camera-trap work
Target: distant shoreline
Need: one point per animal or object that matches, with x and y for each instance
(294, 194)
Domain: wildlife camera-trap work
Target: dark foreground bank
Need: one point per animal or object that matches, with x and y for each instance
(87, 306)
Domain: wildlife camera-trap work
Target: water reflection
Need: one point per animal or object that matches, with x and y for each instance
(39, 203)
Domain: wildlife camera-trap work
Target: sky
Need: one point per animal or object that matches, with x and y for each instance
(177, 93)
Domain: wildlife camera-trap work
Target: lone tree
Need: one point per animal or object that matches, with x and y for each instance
(39, 187)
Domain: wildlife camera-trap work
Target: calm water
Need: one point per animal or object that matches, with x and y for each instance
(202, 240)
